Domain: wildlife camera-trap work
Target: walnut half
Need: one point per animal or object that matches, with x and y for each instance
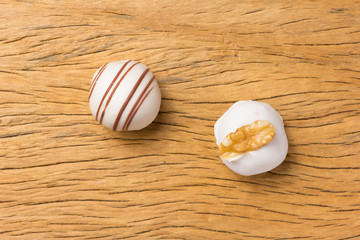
(246, 138)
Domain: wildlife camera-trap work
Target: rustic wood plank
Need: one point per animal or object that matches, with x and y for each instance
(62, 175)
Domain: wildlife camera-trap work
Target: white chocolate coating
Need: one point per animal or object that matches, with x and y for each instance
(124, 96)
(268, 156)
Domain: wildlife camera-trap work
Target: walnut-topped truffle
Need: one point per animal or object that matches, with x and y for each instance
(251, 138)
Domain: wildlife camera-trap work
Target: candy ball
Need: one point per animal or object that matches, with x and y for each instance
(257, 123)
(124, 95)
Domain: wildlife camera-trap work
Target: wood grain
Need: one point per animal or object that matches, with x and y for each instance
(64, 176)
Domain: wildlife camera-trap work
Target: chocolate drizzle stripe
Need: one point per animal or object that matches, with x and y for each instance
(139, 107)
(116, 123)
(96, 79)
(93, 83)
(127, 123)
(110, 86)
(113, 91)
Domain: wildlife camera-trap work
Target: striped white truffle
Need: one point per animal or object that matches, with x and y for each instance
(124, 96)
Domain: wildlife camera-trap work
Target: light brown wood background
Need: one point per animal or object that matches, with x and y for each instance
(64, 176)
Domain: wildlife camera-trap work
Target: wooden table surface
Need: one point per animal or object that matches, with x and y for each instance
(64, 176)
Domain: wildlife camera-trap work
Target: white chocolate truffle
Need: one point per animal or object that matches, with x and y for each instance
(266, 157)
(124, 96)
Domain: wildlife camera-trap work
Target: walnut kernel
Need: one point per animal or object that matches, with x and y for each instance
(246, 138)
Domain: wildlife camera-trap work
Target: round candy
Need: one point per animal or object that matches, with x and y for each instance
(124, 96)
(267, 156)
